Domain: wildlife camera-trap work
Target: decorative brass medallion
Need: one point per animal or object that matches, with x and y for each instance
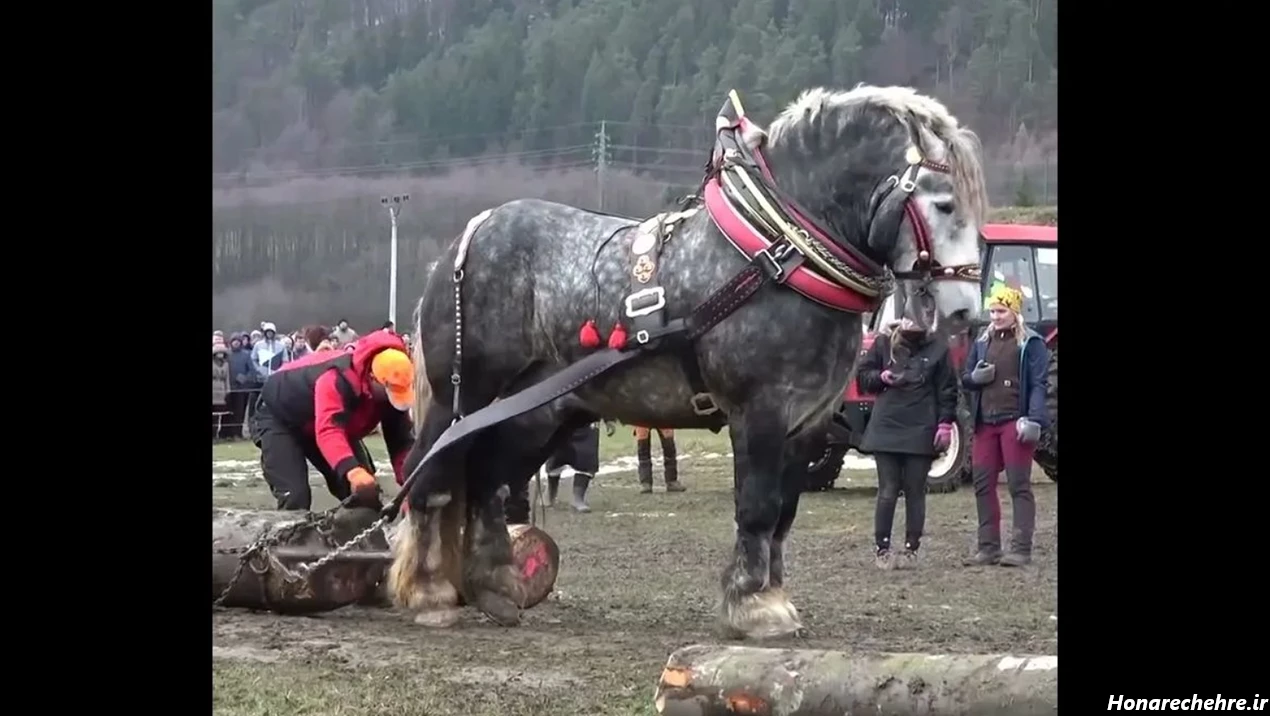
(644, 268)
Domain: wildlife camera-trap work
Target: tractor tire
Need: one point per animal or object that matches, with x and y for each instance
(1047, 447)
(953, 467)
(823, 472)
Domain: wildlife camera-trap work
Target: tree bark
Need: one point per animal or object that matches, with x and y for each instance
(269, 584)
(706, 680)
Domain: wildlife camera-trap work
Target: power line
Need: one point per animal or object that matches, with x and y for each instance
(442, 139)
(625, 169)
(427, 164)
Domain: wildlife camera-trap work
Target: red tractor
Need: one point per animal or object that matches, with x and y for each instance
(1021, 255)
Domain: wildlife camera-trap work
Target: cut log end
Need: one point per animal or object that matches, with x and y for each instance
(705, 680)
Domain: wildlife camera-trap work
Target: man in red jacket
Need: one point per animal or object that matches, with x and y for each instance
(315, 409)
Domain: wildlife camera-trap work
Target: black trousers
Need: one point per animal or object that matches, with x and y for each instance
(285, 456)
(900, 472)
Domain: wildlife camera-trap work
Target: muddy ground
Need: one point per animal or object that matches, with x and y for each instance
(638, 579)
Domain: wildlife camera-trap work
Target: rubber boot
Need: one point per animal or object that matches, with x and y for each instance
(644, 457)
(553, 489)
(1023, 504)
(580, 483)
(670, 462)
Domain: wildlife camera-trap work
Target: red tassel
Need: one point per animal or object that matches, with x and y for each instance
(617, 339)
(589, 337)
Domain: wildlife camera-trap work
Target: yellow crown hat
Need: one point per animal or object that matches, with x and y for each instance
(1003, 295)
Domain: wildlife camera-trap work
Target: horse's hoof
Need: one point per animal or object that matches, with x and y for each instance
(502, 609)
(763, 615)
(437, 618)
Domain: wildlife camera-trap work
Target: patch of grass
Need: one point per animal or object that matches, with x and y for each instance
(327, 688)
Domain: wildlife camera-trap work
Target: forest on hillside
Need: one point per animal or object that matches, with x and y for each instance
(305, 85)
(321, 106)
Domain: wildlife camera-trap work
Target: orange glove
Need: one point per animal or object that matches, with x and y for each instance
(362, 482)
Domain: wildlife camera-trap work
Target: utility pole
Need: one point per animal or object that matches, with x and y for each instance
(393, 204)
(600, 153)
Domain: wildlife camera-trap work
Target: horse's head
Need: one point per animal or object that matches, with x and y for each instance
(890, 172)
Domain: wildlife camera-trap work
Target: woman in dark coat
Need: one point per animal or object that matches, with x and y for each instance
(916, 387)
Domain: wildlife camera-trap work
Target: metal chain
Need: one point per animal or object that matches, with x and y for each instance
(305, 570)
(261, 543)
(456, 374)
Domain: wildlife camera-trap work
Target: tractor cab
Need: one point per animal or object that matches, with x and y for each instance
(1024, 257)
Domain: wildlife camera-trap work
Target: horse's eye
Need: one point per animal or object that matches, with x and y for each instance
(944, 207)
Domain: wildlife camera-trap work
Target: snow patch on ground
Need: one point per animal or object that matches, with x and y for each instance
(243, 470)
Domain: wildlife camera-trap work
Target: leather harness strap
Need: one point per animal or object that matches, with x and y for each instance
(706, 315)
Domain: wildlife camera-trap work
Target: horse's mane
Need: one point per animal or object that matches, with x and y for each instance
(932, 127)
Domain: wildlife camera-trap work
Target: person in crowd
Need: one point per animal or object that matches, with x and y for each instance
(1005, 376)
(242, 381)
(299, 346)
(343, 333)
(268, 354)
(582, 453)
(388, 326)
(644, 457)
(909, 371)
(314, 337)
(255, 337)
(317, 409)
(220, 391)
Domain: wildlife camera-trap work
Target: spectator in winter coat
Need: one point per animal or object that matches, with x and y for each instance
(299, 347)
(242, 381)
(1006, 375)
(343, 332)
(911, 422)
(268, 354)
(220, 390)
(316, 410)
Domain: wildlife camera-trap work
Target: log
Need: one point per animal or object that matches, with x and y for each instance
(704, 680)
(270, 583)
(535, 558)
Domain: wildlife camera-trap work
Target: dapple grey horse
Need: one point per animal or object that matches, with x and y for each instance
(884, 178)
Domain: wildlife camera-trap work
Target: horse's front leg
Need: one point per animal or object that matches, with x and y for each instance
(424, 575)
(793, 480)
(752, 605)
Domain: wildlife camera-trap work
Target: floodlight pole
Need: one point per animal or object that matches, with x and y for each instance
(393, 204)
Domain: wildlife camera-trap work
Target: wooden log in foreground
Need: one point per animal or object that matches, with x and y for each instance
(704, 680)
(268, 582)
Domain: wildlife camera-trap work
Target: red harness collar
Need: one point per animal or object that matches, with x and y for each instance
(836, 259)
(750, 241)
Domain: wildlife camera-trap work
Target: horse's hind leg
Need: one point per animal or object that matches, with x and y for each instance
(424, 576)
(753, 605)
